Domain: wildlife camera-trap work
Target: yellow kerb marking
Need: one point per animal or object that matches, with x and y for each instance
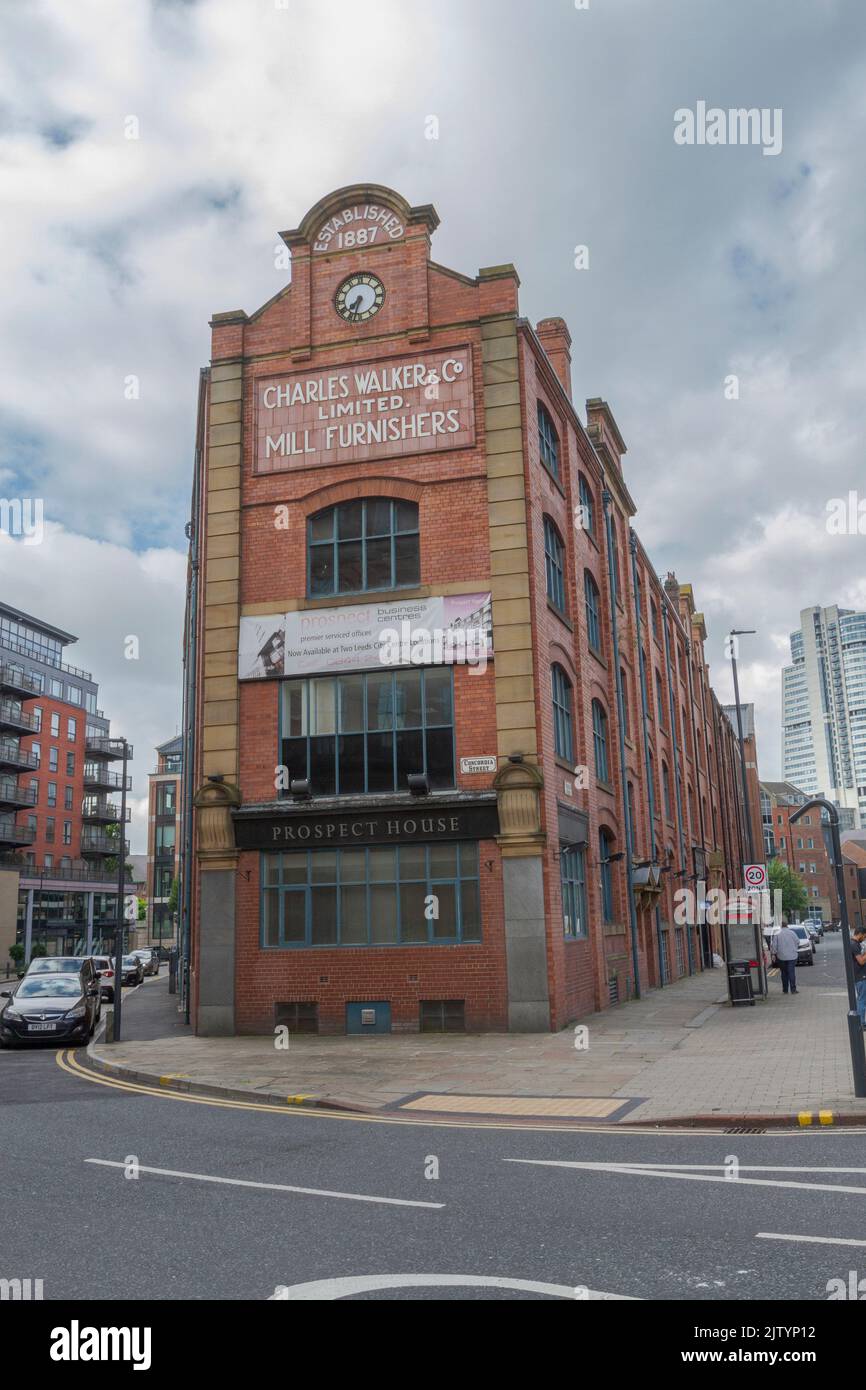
(805, 1117)
(825, 1116)
(571, 1107)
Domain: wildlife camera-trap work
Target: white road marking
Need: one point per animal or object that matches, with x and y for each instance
(330, 1289)
(269, 1186)
(814, 1240)
(660, 1171)
(722, 1167)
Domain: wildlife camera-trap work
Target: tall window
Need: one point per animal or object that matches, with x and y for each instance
(573, 882)
(606, 876)
(587, 502)
(55, 726)
(666, 791)
(614, 555)
(631, 816)
(623, 685)
(372, 543)
(599, 741)
(562, 731)
(367, 732)
(548, 440)
(660, 699)
(592, 600)
(554, 564)
(371, 897)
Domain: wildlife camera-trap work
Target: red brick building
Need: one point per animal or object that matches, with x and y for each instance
(403, 835)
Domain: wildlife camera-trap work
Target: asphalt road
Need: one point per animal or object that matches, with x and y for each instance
(512, 1204)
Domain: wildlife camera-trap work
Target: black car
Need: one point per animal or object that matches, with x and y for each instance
(133, 970)
(47, 1005)
(64, 965)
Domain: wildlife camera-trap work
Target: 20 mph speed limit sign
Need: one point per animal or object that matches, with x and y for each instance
(755, 875)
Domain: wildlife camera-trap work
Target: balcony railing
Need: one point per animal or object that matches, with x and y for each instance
(99, 746)
(99, 778)
(13, 756)
(13, 679)
(12, 716)
(98, 808)
(35, 654)
(73, 873)
(12, 834)
(98, 842)
(13, 794)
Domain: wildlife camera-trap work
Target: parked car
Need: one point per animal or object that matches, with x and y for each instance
(104, 966)
(63, 965)
(133, 971)
(49, 1005)
(806, 951)
(812, 929)
(149, 957)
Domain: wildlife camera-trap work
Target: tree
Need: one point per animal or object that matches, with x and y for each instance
(795, 898)
(142, 909)
(172, 897)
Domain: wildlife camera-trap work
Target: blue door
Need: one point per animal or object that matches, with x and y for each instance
(368, 1018)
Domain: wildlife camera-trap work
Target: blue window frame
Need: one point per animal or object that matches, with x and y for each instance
(554, 564)
(587, 501)
(606, 878)
(548, 440)
(563, 738)
(366, 732)
(666, 791)
(369, 543)
(599, 740)
(573, 882)
(402, 895)
(592, 600)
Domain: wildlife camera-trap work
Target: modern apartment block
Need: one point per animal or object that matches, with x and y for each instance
(59, 806)
(824, 708)
(163, 840)
(455, 745)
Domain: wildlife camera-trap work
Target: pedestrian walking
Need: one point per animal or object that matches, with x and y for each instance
(787, 947)
(858, 950)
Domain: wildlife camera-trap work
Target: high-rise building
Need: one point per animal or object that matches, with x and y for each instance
(163, 839)
(824, 708)
(59, 790)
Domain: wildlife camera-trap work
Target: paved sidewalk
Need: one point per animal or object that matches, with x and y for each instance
(680, 1054)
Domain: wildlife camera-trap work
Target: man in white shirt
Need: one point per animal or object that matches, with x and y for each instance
(786, 948)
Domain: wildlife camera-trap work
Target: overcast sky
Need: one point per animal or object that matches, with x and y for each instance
(556, 129)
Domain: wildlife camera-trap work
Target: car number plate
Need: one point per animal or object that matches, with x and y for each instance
(41, 1027)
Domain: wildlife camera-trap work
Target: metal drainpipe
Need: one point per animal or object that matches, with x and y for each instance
(677, 769)
(189, 712)
(635, 583)
(606, 499)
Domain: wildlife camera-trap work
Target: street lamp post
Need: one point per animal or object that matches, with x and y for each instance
(742, 632)
(121, 919)
(855, 1028)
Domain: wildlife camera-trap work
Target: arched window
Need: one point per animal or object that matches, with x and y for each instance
(599, 741)
(368, 543)
(587, 502)
(563, 738)
(592, 600)
(666, 791)
(614, 555)
(548, 440)
(573, 884)
(554, 563)
(660, 699)
(606, 876)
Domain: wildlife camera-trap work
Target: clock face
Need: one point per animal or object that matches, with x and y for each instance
(359, 297)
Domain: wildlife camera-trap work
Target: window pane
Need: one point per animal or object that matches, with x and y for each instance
(469, 858)
(323, 713)
(413, 924)
(445, 925)
(380, 762)
(437, 695)
(378, 564)
(353, 915)
(272, 919)
(407, 560)
(271, 870)
(324, 916)
(407, 699)
(349, 520)
(383, 864)
(413, 862)
(380, 714)
(443, 861)
(410, 755)
(322, 526)
(383, 914)
(351, 704)
(322, 569)
(323, 868)
(353, 866)
(350, 570)
(351, 762)
(295, 758)
(469, 911)
(406, 516)
(323, 774)
(294, 916)
(379, 517)
(440, 758)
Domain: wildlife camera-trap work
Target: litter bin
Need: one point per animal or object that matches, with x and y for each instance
(740, 982)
